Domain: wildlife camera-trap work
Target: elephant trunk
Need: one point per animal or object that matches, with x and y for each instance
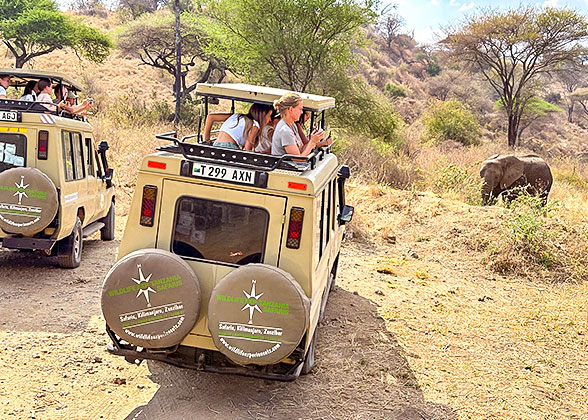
(486, 193)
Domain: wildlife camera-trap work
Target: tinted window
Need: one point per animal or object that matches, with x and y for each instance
(219, 231)
(68, 160)
(13, 151)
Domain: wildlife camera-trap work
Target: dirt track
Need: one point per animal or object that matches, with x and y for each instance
(54, 364)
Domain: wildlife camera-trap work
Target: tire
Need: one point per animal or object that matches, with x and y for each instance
(261, 327)
(69, 253)
(151, 298)
(107, 232)
(308, 364)
(35, 201)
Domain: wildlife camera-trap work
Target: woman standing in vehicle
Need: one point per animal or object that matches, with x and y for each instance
(238, 131)
(286, 138)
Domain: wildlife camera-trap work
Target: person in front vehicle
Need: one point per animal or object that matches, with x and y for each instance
(4, 84)
(286, 138)
(238, 131)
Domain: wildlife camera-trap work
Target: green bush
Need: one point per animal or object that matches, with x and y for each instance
(394, 90)
(130, 109)
(456, 179)
(451, 120)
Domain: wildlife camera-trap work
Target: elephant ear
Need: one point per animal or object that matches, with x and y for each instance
(513, 170)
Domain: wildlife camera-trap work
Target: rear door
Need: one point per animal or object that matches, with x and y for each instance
(217, 229)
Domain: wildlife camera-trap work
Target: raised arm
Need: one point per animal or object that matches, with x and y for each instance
(249, 141)
(211, 119)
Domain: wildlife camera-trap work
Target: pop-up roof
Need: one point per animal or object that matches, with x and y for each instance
(261, 95)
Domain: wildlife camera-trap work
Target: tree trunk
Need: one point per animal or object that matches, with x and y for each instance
(513, 126)
(178, 87)
(20, 61)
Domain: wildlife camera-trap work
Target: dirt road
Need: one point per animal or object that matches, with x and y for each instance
(54, 364)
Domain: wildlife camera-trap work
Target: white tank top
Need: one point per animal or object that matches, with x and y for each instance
(235, 130)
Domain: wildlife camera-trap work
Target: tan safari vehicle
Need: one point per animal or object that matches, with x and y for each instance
(228, 256)
(55, 185)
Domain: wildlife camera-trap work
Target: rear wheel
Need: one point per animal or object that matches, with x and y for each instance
(69, 253)
(107, 232)
(309, 359)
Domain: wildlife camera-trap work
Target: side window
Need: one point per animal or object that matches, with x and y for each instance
(322, 226)
(88, 153)
(333, 203)
(99, 171)
(328, 215)
(318, 232)
(78, 152)
(68, 159)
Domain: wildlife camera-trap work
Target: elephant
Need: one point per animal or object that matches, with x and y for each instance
(512, 175)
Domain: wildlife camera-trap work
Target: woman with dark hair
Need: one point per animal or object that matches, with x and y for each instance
(238, 131)
(29, 91)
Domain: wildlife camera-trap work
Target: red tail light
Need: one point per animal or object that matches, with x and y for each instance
(148, 205)
(42, 145)
(295, 227)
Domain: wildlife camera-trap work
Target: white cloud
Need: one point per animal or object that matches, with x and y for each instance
(454, 2)
(550, 3)
(435, 2)
(425, 36)
(469, 6)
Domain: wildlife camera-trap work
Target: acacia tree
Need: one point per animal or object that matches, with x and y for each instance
(287, 42)
(572, 76)
(512, 48)
(151, 38)
(31, 28)
(388, 26)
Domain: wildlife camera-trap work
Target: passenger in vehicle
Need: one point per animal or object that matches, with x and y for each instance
(44, 95)
(286, 138)
(44, 91)
(29, 91)
(238, 131)
(4, 84)
(264, 143)
(69, 104)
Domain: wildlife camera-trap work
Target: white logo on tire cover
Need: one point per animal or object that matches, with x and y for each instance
(252, 308)
(21, 190)
(144, 290)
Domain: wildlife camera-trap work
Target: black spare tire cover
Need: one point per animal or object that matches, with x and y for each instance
(28, 201)
(258, 314)
(151, 298)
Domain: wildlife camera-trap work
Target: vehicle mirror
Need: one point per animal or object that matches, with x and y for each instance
(346, 214)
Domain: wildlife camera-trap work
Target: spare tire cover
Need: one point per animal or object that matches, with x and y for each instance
(258, 314)
(151, 298)
(28, 201)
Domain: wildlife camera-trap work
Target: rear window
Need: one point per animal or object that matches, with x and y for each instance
(219, 231)
(13, 151)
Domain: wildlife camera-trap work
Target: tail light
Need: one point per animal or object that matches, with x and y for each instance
(148, 205)
(295, 227)
(42, 145)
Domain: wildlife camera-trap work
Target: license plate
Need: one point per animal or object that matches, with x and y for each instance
(204, 170)
(9, 116)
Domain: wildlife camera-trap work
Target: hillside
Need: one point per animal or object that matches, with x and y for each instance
(443, 309)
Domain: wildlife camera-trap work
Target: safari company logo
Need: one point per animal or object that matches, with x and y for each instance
(143, 323)
(237, 337)
(19, 214)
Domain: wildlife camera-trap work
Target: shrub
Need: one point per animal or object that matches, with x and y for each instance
(451, 120)
(130, 109)
(456, 179)
(395, 91)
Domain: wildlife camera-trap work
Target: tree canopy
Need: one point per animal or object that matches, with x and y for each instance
(287, 42)
(31, 28)
(151, 39)
(512, 48)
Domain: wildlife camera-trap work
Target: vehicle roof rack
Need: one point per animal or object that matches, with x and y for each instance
(237, 158)
(36, 107)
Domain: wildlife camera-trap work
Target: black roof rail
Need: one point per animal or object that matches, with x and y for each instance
(237, 158)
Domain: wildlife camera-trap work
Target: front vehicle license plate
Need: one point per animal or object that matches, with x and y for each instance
(9, 116)
(204, 170)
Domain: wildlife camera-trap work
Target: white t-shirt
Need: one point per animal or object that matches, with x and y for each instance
(265, 142)
(29, 97)
(235, 129)
(44, 97)
(284, 135)
(2, 91)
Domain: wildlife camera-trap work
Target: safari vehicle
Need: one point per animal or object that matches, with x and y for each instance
(228, 256)
(55, 185)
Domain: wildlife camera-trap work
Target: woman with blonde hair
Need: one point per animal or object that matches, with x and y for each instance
(286, 138)
(238, 131)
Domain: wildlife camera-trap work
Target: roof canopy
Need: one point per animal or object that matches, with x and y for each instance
(260, 94)
(20, 77)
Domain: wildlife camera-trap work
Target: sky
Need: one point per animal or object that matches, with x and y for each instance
(427, 17)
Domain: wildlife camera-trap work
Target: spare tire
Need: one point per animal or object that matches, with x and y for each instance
(28, 201)
(258, 314)
(151, 298)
